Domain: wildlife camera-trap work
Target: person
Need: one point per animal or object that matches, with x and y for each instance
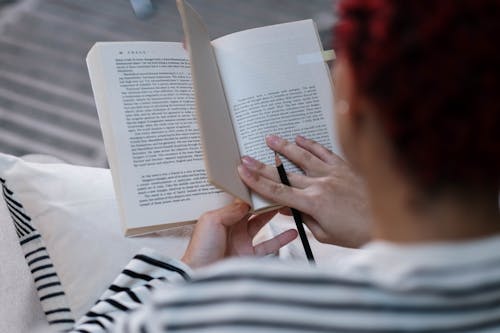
(417, 113)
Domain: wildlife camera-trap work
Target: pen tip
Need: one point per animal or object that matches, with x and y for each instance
(277, 159)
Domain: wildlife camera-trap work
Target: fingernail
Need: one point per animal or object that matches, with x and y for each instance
(273, 140)
(240, 204)
(249, 162)
(244, 171)
(300, 138)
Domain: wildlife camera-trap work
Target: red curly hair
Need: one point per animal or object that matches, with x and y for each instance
(432, 69)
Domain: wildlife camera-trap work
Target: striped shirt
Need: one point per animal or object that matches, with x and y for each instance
(440, 287)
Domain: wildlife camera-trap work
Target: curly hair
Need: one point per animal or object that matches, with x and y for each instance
(432, 69)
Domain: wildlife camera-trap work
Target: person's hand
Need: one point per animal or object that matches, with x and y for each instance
(330, 196)
(229, 231)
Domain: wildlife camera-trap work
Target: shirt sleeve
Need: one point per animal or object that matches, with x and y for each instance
(146, 272)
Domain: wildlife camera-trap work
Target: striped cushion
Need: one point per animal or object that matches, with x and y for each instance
(47, 282)
(74, 210)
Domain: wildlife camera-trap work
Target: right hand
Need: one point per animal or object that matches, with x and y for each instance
(229, 231)
(330, 196)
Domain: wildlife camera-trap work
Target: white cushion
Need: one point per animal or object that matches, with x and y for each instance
(75, 211)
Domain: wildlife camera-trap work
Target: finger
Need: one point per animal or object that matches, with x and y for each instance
(317, 149)
(274, 191)
(314, 226)
(227, 215)
(301, 157)
(285, 211)
(257, 222)
(274, 244)
(265, 170)
(271, 172)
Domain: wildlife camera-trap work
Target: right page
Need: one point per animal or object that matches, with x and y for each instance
(276, 82)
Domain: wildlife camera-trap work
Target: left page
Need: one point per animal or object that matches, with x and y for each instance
(146, 108)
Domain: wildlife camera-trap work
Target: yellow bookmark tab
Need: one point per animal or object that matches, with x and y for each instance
(328, 55)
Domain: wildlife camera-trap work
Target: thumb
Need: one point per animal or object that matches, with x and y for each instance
(228, 215)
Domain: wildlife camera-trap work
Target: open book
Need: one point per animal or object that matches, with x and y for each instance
(176, 123)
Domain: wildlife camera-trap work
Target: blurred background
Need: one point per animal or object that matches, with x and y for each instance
(46, 102)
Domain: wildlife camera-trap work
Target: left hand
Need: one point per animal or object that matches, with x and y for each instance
(228, 232)
(330, 196)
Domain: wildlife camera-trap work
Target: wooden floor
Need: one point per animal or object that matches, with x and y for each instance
(46, 104)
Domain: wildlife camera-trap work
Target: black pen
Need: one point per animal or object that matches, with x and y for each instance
(296, 214)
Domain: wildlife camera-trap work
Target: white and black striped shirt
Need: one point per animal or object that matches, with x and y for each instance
(448, 287)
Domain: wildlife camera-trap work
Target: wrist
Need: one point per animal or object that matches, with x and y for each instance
(186, 261)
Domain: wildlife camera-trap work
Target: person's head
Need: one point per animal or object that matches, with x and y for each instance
(418, 91)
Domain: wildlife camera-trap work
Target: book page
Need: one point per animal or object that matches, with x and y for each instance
(218, 138)
(276, 82)
(146, 107)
